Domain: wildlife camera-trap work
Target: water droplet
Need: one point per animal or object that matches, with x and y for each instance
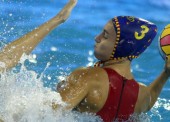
(54, 49)
(90, 52)
(10, 14)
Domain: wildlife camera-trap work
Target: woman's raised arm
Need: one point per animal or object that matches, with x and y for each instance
(12, 53)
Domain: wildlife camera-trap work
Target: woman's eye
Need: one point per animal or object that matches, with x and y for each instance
(105, 35)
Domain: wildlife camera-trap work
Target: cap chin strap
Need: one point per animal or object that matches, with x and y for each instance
(116, 60)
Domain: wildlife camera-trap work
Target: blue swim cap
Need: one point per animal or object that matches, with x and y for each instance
(133, 36)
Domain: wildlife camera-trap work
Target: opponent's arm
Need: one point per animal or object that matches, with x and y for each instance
(155, 87)
(75, 88)
(11, 54)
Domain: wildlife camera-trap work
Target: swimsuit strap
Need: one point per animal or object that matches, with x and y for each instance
(120, 99)
(109, 70)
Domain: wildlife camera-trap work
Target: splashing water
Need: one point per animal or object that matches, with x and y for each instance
(24, 98)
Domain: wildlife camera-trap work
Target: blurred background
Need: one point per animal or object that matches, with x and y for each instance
(71, 44)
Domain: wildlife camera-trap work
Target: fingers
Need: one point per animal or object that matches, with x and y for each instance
(167, 59)
(66, 11)
(167, 64)
(74, 2)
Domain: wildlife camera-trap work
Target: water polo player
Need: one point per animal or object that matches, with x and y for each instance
(109, 88)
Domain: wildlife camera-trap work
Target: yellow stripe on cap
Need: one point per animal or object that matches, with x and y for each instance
(165, 32)
(166, 49)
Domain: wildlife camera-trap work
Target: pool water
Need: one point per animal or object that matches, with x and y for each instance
(71, 46)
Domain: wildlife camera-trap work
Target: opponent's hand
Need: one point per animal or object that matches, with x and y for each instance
(65, 12)
(167, 65)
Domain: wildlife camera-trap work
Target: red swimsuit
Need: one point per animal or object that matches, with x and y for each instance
(121, 99)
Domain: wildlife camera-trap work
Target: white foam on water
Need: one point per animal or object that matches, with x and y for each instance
(23, 98)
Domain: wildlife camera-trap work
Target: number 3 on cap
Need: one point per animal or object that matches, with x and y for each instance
(138, 36)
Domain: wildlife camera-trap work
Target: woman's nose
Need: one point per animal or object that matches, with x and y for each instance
(97, 38)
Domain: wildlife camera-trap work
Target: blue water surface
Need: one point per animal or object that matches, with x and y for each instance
(71, 44)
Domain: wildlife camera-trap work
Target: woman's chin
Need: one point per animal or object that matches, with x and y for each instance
(100, 57)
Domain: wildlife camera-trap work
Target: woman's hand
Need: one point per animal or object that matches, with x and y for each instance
(167, 65)
(73, 1)
(65, 12)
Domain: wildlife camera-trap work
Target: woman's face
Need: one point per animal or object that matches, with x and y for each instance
(105, 42)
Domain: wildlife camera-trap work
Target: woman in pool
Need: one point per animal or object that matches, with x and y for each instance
(109, 88)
